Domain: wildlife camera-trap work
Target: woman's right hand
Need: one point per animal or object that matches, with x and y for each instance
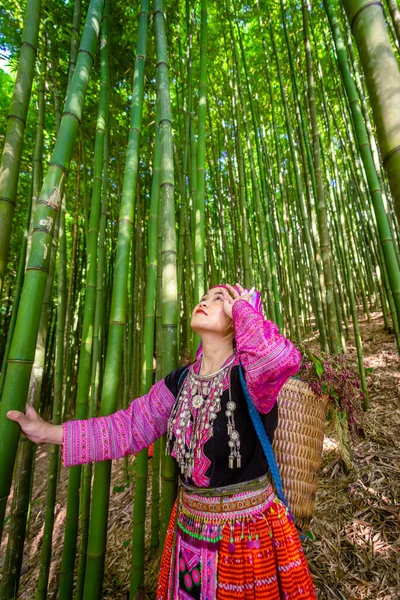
(229, 300)
(35, 428)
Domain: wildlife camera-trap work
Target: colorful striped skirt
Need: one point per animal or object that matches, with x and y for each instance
(233, 542)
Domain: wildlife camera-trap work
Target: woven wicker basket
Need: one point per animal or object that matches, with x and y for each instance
(298, 445)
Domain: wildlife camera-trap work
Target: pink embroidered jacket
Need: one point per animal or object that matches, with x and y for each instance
(268, 359)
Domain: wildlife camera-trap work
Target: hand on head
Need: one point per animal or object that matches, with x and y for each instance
(234, 296)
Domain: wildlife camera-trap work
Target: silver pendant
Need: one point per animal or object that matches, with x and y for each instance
(197, 401)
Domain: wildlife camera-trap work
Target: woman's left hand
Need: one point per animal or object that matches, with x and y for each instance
(229, 301)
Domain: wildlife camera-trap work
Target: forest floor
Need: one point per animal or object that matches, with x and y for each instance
(355, 554)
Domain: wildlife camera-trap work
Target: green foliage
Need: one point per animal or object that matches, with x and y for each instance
(117, 489)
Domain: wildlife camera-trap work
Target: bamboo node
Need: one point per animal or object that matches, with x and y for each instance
(38, 268)
(17, 118)
(54, 200)
(167, 184)
(40, 229)
(71, 114)
(63, 169)
(161, 62)
(389, 154)
(168, 121)
(24, 43)
(367, 5)
(87, 52)
(9, 200)
(20, 361)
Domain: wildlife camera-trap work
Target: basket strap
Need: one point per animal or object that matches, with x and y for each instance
(265, 443)
(185, 370)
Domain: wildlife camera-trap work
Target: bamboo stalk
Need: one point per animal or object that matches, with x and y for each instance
(168, 264)
(376, 53)
(102, 472)
(13, 142)
(367, 159)
(27, 325)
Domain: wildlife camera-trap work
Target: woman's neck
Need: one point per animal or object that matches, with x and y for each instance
(215, 355)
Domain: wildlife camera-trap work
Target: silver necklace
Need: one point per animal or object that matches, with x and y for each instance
(193, 416)
(201, 385)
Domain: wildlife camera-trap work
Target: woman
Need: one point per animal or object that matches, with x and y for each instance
(229, 535)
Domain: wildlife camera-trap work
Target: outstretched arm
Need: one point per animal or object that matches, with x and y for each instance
(104, 438)
(268, 358)
(122, 433)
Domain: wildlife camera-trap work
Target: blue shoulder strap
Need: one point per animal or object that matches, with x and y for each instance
(268, 450)
(181, 376)
(264, 440)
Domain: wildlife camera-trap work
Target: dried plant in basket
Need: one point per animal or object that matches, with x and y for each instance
(335, 377)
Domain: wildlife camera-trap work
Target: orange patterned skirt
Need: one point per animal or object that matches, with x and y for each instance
(236, 542)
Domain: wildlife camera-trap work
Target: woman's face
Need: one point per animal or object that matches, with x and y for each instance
(209, 314)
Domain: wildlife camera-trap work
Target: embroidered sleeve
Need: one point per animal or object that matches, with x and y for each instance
(268, 358)
(122, 433)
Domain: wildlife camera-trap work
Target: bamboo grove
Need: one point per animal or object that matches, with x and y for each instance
(152, 150)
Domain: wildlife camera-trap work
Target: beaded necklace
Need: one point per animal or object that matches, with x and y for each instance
(193, 416)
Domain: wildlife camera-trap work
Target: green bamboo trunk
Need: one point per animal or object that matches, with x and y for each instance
(386, 241)
(21, 499)
(201, 158)
(266, 242)
(302, 206)
(169, 290)
(37, 180)
(13, 142)
(305, 202)
(281, 181)
(323, 221)
(26, 329)
(159, 446)
(199, 209)
(139, 512)
(74, 48)
(377, 57)
(267, 196)
(45, 553)
(24, 467)
(247, 280)
(102, 472)
(89, 325)
(68, 348)
(395, 14)
(85, 355)
(353, 303)
(184, 259)
(54, 82)
(181, 246)
(359, 82)
(215, 170)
